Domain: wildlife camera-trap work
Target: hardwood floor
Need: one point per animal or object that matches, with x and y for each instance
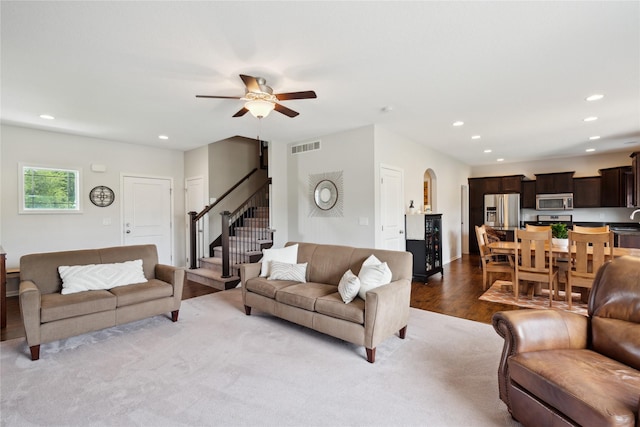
(454, 293)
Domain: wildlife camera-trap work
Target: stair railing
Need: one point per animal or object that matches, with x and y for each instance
(249, 226)
(194, 217)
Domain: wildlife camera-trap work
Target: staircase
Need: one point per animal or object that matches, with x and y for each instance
(246, 233)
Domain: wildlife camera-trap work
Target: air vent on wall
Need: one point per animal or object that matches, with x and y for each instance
(304, 147)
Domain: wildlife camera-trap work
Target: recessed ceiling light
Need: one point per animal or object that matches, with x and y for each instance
(590, 150)
(590, 119)
(500, 160)
(488, 150)
(458, 123)
(475, 137)
(46, 116)
(163, 137)
(595, 97)
(593, 138)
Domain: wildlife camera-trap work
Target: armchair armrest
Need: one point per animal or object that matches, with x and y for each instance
(536, 330)
(175, 276)
(386, 311)
(29, 298)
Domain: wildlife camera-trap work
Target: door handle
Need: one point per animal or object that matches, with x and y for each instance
(128, 231)
(401, 231)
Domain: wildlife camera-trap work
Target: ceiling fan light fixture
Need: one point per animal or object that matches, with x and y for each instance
(259, 108)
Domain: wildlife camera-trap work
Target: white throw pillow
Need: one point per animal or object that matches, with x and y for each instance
(349, 286)
(78, 278)
(285, 271)
(287, 254)
(373, 274)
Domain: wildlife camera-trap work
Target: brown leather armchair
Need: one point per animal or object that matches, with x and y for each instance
(559, 368)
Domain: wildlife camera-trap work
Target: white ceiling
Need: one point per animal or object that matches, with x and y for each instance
(517, 73)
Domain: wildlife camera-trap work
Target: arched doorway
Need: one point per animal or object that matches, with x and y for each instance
(430, 200)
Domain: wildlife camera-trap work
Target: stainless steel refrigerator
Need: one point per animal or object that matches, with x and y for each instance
(502, 210)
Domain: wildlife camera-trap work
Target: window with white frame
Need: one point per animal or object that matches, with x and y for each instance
(45, 189)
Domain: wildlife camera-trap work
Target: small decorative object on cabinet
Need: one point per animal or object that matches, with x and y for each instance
(424, 241)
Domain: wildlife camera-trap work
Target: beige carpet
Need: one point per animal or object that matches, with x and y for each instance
(218, 367)
(501, 291)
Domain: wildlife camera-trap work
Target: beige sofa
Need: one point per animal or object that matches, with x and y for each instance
(317, 303)
(48, 315)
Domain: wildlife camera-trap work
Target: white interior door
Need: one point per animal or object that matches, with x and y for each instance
(147, 214)
(195, 202)
(464, 214)
(392, 208)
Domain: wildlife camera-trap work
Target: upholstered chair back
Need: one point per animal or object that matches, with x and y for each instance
(614, 308)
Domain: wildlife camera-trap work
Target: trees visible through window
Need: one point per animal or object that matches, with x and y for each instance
(49, 189)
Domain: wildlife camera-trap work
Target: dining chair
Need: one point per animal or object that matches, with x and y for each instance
(592, 250)
(581, 229)
(530, 227)
(534, 262)
(492, 262)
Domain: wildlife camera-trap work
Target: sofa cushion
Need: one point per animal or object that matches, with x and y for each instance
(586, 386)
(286, 271)
(349, 286)
(373, 274)
(288, 254)
(304, 295)
(267, 288)
(332, 305)
(141, 292)
(57, 306)
(79, 278)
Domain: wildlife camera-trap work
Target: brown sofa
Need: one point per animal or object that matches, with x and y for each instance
(317, 303)
(559, 368)
(48, 315)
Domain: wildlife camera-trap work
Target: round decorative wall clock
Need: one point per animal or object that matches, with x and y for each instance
(101, 196)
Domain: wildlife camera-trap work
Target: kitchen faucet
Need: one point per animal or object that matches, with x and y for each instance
(633, 213)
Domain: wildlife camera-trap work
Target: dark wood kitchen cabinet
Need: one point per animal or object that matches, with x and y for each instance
(478, 187)
(635, 169)
(554, 183)
(617, 187)
(586, 192)
(528, 198)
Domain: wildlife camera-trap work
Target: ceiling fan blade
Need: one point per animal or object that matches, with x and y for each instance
(286, 111)
(296, 95)
(251, 83)
(241, 113)
(219, 97)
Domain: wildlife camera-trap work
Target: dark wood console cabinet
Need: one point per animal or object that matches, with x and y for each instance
(427, 247)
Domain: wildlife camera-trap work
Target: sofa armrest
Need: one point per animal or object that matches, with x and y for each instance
(535, 330)
(29, 298)
(249, 271)
(386, 311)
(175, 276)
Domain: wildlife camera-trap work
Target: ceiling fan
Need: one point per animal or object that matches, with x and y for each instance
(260, 99)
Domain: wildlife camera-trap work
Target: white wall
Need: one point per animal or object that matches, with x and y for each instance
(352, 153)
(22, 234)
(415, 158)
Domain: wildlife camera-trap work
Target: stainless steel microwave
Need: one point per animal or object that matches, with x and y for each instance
(554, 202)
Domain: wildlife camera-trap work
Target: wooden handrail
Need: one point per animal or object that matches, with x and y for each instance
(195, 217)
(211, 206)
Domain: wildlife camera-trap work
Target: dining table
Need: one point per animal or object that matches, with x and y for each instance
(509, 247)
(560, 253)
